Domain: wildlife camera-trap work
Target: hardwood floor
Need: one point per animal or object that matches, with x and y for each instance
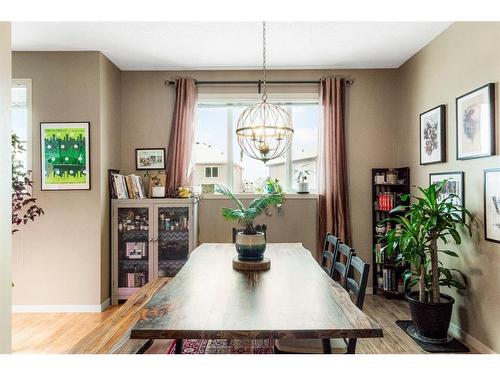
(58, 333)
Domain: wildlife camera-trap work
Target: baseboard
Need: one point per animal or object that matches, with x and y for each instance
(460, 334)
(57, 308)
(105, 304)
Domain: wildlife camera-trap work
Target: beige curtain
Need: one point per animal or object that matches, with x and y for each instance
(181, 142)
(333, 202)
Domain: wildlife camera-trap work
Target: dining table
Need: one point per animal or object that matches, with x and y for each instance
(295, 298)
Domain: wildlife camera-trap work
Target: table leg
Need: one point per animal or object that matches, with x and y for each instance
(327, 349)
(178, 346)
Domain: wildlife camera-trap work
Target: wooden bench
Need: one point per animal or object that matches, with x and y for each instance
(113, 335)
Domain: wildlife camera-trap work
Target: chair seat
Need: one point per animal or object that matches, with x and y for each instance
(309, 346)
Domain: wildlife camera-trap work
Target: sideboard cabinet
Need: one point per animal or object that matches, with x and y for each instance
(151, 238)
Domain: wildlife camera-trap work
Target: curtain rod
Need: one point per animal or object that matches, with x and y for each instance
(259, 83)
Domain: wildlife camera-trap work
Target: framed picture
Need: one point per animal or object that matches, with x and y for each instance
(455, 185)
(492, 205)
(476, 123)
(433, 136)
(149, 158)
(65, 155)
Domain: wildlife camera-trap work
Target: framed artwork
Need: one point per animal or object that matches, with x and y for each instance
(476, 123)
(149, 158)
(433, 135)
(492, 205)
(65, 155)
(455, 185)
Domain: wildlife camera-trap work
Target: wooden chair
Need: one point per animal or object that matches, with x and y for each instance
(340, 269)
(356, 284)
(328, 260)
(258, 228)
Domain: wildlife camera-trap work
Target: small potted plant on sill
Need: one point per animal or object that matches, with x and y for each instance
(250, 244)
(415, 243)
(302, 183)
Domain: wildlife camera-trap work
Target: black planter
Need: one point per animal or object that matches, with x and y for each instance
(431, 320)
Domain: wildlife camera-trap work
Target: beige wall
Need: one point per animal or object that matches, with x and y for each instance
(466, 56)
(147, 106)
(5, 189)
(61, 259)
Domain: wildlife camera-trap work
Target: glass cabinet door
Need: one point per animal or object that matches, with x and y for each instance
(172, 239)
(134, 251)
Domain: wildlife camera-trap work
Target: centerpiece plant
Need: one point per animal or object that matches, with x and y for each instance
(434, 216)
(250, 243)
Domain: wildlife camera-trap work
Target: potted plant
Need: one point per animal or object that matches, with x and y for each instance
(433, 216)
(302, 183)
(250, 244)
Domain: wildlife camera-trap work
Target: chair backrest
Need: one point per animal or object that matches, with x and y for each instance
(329, 248)
(258, 228)
(358, 288)
(341, 269)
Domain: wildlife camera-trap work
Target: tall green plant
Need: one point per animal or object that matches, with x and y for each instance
(423, 223)
(245, 216)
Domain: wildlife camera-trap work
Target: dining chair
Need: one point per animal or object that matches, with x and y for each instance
(341, 269)
(328, 260)
(356, 281)
(258, 228)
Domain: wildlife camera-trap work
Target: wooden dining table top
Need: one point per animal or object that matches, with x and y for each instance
(293, 299)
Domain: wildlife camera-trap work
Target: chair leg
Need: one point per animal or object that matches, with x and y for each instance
(327, 349)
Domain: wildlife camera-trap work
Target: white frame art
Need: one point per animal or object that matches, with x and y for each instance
(457, 179)
(492, 205)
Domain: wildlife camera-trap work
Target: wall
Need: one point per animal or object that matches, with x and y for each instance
(464, 57)
(5, 189)
(63, 258)
(147, 106)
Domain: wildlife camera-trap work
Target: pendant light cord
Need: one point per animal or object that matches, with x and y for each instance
(264, 90)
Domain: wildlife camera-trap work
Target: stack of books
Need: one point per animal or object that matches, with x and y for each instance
(127, 187)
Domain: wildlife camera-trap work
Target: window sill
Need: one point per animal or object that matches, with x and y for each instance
(254, 195)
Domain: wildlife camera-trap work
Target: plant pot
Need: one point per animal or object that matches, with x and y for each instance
(250, 247)
(303, 187)
(431, 320)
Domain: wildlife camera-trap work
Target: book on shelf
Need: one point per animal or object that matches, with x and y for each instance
(127, 187)
(135, 279)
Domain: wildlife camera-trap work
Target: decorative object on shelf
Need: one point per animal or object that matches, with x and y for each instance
(380, 178)
(302, 183)
(157, 184)
(423, 223)
(24, 207)
(65, 155)
(391, 176)
(250, 244)
(492, 205)
(184, 192)
(454, 185)
(476, 123)
(150, 158)
(264, 130)
(433, 135)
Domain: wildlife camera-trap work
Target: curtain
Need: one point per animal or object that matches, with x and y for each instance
(333, 195)
(181, 141)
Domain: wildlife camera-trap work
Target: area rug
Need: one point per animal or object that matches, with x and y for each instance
(220, 346)
(454, 346)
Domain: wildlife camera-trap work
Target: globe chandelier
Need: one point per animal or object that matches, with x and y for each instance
(264, 130)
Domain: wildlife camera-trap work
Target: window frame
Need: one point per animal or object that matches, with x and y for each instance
(246, 99)
(211, 169)
(27, 82)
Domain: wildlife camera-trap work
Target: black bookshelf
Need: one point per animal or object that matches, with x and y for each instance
(387, 275)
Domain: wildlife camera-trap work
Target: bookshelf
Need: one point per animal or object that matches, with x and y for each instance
(388, 184)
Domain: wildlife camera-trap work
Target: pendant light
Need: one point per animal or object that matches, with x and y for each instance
(264, 130)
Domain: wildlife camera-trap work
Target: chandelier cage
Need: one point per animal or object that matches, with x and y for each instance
(264, 130)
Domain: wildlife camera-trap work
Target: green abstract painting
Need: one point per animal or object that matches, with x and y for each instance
(65, 156)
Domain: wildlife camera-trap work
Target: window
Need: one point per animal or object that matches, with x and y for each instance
(218, 159)
(211, 172)
(21, 117)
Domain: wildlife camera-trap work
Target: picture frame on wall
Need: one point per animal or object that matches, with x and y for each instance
(455, 185)
(150, 159)
(65, 155)
(433, 135)
(492, 205)
(476, 123)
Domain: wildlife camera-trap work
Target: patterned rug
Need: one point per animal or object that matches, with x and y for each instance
(220, 346)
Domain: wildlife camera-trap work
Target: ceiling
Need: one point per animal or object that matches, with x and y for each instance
(233, 45)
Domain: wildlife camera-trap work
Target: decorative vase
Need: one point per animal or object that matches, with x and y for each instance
(251, 247)
(303, 187)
